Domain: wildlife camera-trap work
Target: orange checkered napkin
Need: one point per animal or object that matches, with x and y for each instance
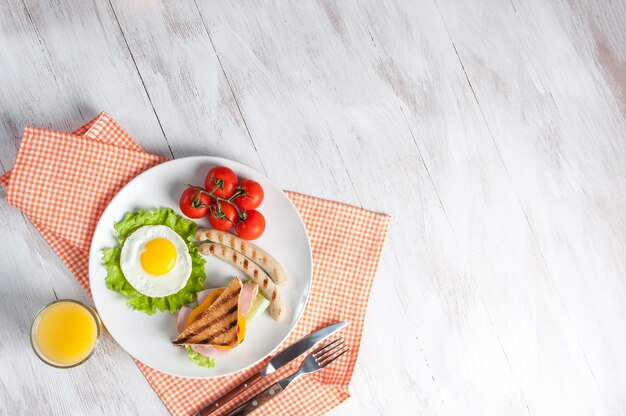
(63, 182)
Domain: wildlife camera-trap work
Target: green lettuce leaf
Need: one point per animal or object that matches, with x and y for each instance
(199, 359)
(116, 281)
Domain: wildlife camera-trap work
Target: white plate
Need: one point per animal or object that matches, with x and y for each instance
(148, 338)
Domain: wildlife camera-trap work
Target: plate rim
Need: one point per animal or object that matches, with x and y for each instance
(215, 160)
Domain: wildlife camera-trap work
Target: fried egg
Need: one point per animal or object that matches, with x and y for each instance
(155, 260)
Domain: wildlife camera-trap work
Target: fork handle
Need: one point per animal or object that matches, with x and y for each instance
(210, 408)
(257, 401)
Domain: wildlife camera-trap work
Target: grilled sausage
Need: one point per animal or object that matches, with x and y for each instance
(256, 254)
(258, 275)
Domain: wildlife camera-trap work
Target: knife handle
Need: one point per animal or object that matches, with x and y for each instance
(257, 401)
(219, 403)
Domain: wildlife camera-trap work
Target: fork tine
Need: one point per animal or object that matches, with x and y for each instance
(326, 346)
(329, 351)
(333, 358)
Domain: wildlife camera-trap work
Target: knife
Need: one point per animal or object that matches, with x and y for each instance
(283, 358)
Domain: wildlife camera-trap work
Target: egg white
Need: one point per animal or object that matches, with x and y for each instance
(144, 282)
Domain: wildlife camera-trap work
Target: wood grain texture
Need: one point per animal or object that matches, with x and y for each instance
(493, 133)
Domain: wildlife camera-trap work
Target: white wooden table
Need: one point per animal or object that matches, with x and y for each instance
(493, 131)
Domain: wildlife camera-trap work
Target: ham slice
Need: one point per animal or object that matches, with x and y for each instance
(209, 351)
(183, 315)
(247, 297)
(249, 292)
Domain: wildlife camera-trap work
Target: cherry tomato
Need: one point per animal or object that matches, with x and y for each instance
(252, 197)
(222, 217)
(252, 226)
(194, 204)
(224, 179)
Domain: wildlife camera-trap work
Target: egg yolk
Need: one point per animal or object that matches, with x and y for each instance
(158, 257)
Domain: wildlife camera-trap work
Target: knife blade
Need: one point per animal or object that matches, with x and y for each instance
(280, 360)
(295, 350)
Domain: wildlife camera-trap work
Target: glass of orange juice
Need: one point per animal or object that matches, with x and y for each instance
(65, 332)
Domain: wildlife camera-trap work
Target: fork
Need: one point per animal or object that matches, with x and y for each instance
(315, 361)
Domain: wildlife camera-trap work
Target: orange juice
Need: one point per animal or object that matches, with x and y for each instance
(65, 333)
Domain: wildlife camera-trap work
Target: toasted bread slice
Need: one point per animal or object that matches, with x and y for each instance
(218, 324)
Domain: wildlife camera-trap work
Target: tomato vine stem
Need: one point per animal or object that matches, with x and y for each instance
(219, 184)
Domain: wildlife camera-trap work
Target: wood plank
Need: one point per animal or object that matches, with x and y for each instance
(183, 76)
(490, 225)
(559, 68)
